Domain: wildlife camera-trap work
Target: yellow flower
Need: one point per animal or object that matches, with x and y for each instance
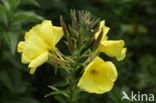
(41, 39)
(112, 48)
(99, 76)
(103, 28)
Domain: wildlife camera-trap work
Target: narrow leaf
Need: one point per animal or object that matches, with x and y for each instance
(70, 43)
(64, 26)
(97, 42)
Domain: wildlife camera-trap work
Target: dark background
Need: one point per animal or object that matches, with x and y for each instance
(131, 20)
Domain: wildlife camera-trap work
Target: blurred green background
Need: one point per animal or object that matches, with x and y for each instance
(131, 20)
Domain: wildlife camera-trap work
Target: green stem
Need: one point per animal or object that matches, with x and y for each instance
(73, 84)
(72, 88)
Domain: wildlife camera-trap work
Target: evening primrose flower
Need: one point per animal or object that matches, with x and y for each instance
(99, 76)
(39, 41)
(112, 48)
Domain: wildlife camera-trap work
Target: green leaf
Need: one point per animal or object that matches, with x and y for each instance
(11, 39)
(11, 4)
(62, 92)
(60, 84)
(5, 79)
(2, 8)
(11, 58)
(60, 99)
(6, 4)
(53, 87)
(34, 2)
(14, 3)
(3, 15)
(57, 91)
(24, 15)
(13, 43)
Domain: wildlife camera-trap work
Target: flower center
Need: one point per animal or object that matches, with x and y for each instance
(93, 71)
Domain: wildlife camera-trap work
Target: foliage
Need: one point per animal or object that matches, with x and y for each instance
(12, 22)
(133, 20)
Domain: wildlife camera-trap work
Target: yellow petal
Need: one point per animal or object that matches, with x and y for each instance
(113, 73)
(58, 34)
(122, 55)
(32, 50)
(103, 28)
(25, 59)
(38, 61)
(36, 40)
(41, 39)
(98, 77)
(21, 46)
(113, 48)
(28, 35)
(49, 33)
(45, 32)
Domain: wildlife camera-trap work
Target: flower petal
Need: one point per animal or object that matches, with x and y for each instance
(41, 39)
(32, 50)
(21, 46)
(122, 55)
(113, 48)
(37, 62)
(36, 40)
(45, 32)
(113, 73)
(58, 34)
(25, 59)
(49, 33)
(98, 77)
(103, 28)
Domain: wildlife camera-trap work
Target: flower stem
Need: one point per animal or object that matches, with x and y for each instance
(72, 89)
(74, 93)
